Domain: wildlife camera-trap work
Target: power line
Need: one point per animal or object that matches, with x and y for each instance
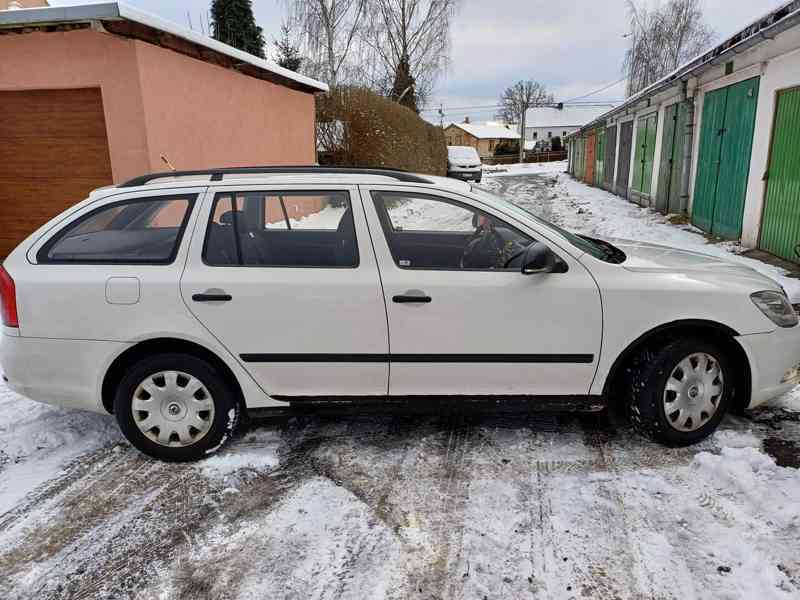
(487, 107)
(602, 89)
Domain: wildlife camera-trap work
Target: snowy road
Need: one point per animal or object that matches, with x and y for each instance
(542, 506)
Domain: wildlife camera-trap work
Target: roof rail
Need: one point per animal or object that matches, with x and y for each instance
(218, 174)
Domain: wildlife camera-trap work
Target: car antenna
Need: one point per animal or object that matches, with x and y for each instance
(169, 164)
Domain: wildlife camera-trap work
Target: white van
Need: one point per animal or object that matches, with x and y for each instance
(464, 163)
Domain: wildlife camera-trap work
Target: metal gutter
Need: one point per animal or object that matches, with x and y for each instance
(117, 11)
(710, 58)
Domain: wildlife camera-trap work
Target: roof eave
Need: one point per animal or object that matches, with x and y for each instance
(113, 14)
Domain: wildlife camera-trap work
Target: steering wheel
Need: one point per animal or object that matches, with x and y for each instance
(514, 257)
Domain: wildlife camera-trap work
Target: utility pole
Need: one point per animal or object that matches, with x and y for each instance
(441, 116)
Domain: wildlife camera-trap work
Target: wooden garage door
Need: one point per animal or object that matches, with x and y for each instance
(53, 152)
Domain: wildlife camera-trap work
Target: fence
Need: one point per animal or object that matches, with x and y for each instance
(530, 157)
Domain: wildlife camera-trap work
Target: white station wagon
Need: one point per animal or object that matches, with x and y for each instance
(178, 301)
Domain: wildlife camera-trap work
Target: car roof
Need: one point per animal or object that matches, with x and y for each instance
(168, 181)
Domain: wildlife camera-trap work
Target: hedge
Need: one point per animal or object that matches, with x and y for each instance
(358, 128)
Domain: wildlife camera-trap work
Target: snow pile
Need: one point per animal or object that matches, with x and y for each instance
(256, 451)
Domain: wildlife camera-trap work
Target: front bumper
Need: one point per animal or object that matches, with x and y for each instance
(774, 362)
(465, 174)
(66, 373)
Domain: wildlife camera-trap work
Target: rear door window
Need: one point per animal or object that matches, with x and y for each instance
(282, 229)
(135, 231)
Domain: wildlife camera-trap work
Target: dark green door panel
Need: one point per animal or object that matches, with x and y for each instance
(610, 155)
(726, 140)
(669, 173)
(780, 224)
(705, 188)
(737, 145)
(645, 153)
(649, 154)
(600, 155)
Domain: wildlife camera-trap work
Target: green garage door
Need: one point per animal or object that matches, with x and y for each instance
(723, 163)
(668, 196)
(600, 157)
(780, 225)
(645, 153)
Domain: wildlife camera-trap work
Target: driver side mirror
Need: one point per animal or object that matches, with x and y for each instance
(540, 259)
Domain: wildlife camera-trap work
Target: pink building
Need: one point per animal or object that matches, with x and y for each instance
(96, 94)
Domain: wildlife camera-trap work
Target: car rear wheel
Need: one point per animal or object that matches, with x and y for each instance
(176, 407)
(679, 394)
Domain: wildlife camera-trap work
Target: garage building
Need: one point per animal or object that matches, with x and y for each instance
(96, 94)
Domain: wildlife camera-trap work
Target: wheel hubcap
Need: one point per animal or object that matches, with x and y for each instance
(173, 408)
(693, 392)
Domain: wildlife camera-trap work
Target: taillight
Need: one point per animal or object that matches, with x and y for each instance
(8, 299)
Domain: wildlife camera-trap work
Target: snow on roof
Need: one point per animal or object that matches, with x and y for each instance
(569, 116)
(488, 131)
(117, 11)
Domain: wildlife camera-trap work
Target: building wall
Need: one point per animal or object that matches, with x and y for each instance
(157, 101)
(200, 115)
(85, 59)
(541, 132)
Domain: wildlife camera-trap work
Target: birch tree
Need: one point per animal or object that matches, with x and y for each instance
(663, 38)
(411, 40)
(515, 102)
(329, 29)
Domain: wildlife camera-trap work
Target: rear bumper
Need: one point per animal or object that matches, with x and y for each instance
(65, 373)
(774, 362)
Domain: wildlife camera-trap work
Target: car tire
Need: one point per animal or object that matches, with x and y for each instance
(673, 389)
(176, 407)
(478, 180)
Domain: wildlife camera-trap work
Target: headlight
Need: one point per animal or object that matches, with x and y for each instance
(776, 307)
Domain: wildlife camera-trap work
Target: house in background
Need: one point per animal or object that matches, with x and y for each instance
(545, 123)
(483, 137)
(716, 139)
(96, 94)
(16, 4)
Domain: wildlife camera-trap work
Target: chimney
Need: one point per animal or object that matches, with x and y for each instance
(466, 120)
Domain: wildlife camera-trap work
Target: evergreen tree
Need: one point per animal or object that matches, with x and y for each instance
(287, 54)
(404, 88)
(233, 23)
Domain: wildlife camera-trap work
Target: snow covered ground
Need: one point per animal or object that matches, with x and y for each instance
(549, 192)
(463, 506)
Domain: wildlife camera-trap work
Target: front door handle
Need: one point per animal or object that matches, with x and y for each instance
(217, 297)
(412, 296)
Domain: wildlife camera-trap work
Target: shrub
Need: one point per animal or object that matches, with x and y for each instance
(507, 147)
(358, 128)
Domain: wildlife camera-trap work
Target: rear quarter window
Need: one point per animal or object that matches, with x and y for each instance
(135, 231)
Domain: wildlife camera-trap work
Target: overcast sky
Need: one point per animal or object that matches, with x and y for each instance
(572, 47)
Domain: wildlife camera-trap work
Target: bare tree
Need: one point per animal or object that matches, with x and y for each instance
(662, 38)
(515, 102)
(329, 29)
(411, 39)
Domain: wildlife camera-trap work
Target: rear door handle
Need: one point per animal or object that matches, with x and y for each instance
(409, 297)
(212, 297)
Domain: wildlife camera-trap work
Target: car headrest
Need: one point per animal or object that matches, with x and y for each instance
(226, 218)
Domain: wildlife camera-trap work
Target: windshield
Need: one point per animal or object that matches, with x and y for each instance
(598, 248)
(462, 153)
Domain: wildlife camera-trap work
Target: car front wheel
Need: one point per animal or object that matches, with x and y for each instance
(176, 407)
(680, 393)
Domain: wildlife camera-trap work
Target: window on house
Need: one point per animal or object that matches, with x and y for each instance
(536, 135)
(141, 230)
(549, 134)
(282, 229)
